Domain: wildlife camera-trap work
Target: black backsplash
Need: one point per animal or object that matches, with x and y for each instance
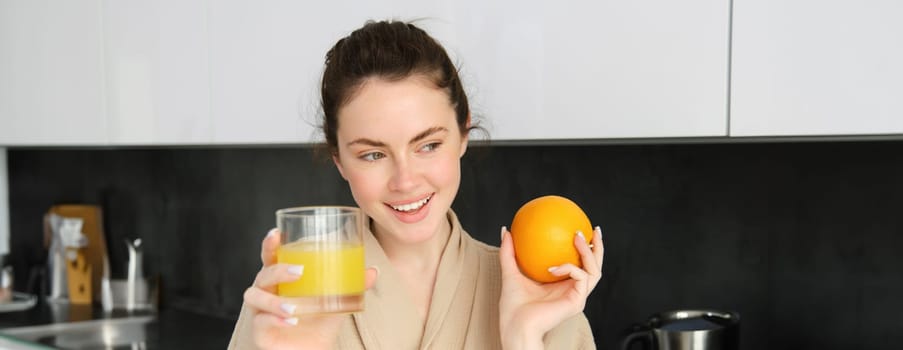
(803, 239)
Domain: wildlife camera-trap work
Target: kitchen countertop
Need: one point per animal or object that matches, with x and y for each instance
(169, 329)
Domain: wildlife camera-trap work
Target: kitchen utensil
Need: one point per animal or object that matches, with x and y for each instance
(78, 273)
(687, 330)
(6, 284)
(18, 302)
(145, 297)
(89, 255)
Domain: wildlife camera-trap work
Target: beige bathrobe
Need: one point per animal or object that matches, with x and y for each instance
(463, 314)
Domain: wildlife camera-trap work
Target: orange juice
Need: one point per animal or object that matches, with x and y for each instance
(330, 269)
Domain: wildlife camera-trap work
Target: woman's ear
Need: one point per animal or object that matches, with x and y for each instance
(465, 137)
(338, 165)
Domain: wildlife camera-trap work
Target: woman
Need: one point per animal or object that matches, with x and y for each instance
(396, 121)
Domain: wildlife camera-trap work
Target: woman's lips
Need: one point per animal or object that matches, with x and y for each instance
(417, 210)
(409, 206)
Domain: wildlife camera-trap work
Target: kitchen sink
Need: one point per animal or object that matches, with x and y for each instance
(110, 333)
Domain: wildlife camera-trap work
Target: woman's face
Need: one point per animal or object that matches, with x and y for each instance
(399, 148)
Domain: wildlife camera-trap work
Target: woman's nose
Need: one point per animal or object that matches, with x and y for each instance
(404, 177)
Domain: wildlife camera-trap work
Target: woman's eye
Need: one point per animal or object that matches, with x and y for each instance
(372, 156)
(430, 147)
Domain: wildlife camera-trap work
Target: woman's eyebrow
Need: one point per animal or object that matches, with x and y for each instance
(367, 142)
(426, 133)
(373, 143)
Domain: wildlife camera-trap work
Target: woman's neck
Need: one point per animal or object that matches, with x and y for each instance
(417, 263)
(415, 257)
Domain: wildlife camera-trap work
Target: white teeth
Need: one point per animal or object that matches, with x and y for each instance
(412, 206)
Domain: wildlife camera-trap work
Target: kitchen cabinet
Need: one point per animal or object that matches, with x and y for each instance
(816, 68)
(597, 69)
(242, 72)
(533, 71)
(267, 59)
(263, 59)
(104, 72)
(51, 73)
(157, 75)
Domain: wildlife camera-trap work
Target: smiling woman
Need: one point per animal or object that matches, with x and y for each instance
(414, 159)
(396, 123)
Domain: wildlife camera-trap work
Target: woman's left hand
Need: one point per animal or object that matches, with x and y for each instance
(528, 309)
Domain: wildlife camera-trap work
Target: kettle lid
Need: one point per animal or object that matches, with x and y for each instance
(694, 320)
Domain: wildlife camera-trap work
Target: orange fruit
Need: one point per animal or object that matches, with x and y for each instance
(543, 233)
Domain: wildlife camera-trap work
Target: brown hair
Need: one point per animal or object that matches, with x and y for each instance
(389, 50)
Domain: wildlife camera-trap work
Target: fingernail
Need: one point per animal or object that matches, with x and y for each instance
(288, 308)
(272, 232)
(296, 269)
(580, 233)
(292, 321)
(553, 268)
(502, 236)
(377, 269)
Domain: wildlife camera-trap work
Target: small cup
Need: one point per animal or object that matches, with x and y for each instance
(327, 241)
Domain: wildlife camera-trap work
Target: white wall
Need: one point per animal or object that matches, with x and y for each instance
(4, 204)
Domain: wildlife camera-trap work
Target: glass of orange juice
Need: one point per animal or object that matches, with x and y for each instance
(327, 241)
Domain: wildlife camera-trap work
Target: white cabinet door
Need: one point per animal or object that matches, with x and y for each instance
(240, 71)
(51, 73)
(597, 69)
(817, 67)
(536, 70)
(157, 72)
(267, 59)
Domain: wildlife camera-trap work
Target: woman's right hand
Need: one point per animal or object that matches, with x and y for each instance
(274, 326)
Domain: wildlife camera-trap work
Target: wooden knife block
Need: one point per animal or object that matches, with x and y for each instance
(78, 275)
(84, 275)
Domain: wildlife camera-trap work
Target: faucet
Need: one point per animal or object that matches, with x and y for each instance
(135, 281)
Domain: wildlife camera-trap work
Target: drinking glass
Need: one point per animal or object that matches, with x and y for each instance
(327, 241)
